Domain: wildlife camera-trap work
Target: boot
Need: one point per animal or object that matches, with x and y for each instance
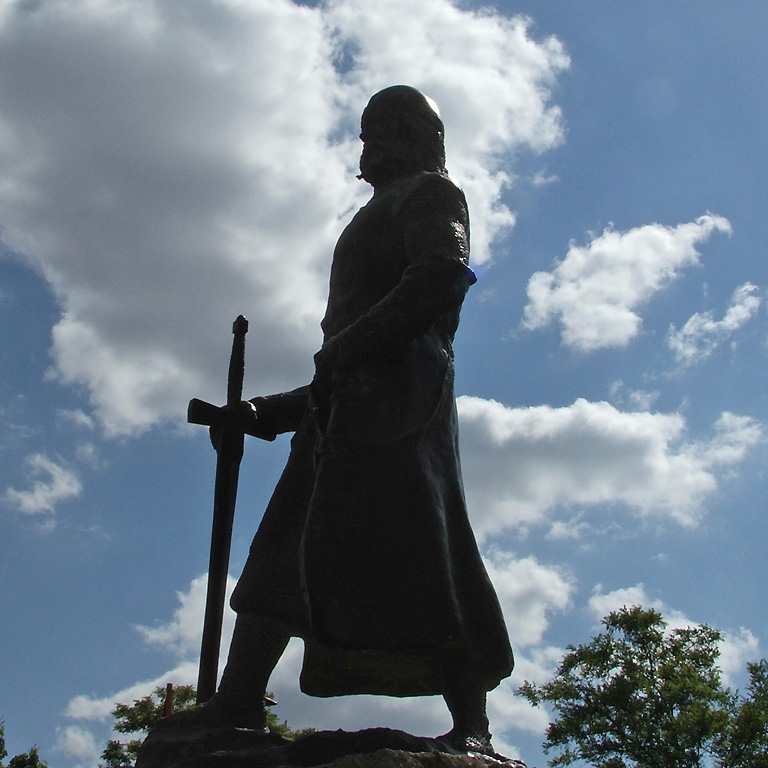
(257, 645)
(466, 703)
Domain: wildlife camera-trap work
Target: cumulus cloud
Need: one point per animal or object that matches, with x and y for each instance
(638, 399)
(737, 647)
(168, 166)
(182, 633)
(702, 334)
(76, 417)
(181, 636)
(520, 464)
(596, 289)
(528, 592)
(84, 707)
(51, 484)
(573, 529)
(79, 743)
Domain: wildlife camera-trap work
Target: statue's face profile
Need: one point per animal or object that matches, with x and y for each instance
(382, 153)
(401, 133)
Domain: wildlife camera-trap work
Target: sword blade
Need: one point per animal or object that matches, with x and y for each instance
(224, 498)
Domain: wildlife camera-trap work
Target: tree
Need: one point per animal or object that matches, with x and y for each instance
(29, 759)
(140, 717)
(637, 696)
(744, 742)
(145, 712)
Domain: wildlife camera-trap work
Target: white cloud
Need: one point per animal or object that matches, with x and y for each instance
(51, 483)
(737, 648)
(182, 633)
(528, 591)
(595, 289)
(573, 529)
(639, 399)
(168, 166)
(181, 636)
(76, 417)
(100, 709)
(520, 464)
(76, 742)
(602, 603)
(88, 454)
(702, 334)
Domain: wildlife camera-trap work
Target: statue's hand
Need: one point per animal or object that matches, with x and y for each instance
(322, 387)
(245, 418)
(323, 368)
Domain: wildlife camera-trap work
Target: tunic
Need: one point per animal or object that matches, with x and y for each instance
(365, 549)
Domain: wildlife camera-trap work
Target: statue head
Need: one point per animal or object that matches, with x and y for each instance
(402, 133)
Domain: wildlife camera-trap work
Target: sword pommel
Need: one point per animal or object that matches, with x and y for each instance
(240, 326)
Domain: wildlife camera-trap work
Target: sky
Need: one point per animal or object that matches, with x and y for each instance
(166, 166)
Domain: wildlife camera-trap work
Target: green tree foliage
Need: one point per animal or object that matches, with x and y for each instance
(140, 716)
(29, 759)
(744, 741)
(638, 696)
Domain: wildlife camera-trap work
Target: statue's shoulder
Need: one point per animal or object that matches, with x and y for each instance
(432, 192)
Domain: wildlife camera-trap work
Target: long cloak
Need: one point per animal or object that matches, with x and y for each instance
(365, 549)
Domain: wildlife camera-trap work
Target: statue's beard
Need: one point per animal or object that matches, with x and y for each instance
(381, 162)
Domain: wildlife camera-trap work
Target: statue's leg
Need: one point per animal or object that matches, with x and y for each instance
(466, 702)
(257, 644)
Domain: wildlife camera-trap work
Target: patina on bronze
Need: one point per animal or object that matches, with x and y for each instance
(365, 550)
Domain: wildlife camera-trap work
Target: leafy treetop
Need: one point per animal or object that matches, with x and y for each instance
(140, 716)
(29, 759)
(641, 696)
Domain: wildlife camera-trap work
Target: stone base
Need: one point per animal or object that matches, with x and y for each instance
(243, 748)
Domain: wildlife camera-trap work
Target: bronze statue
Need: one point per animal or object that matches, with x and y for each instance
(365, 550)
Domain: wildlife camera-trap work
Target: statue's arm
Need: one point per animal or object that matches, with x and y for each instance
(282, 412)
(434, 282)
(263, 417)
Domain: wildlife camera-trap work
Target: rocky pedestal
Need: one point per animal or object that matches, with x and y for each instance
(243, 748)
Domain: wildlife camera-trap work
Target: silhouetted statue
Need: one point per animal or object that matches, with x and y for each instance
(365, 550)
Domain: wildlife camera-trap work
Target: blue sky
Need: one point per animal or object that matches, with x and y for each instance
(166, 166)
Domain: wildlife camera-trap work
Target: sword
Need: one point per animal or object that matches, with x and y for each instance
(228, 456)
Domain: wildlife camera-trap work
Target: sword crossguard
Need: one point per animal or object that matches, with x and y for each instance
(209, 415)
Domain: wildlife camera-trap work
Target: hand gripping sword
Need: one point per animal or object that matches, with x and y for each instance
(229, 454)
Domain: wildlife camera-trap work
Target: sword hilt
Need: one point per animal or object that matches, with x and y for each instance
(237, 362)
(200, 412)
